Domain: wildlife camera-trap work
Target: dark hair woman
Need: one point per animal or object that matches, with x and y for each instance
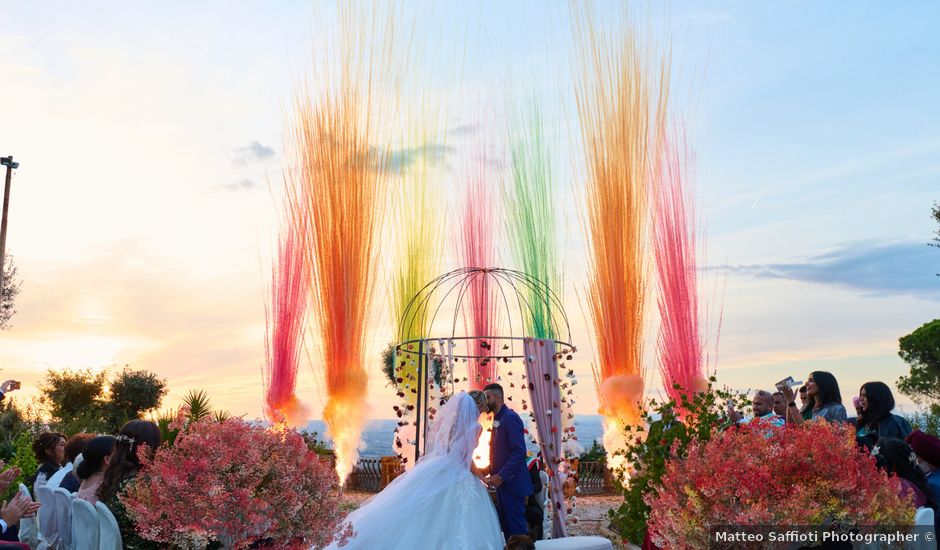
(95, 459)
(875, 403)
(49, 450)
(896, 457)
(73, 449)
(136, 437)
(823, 400)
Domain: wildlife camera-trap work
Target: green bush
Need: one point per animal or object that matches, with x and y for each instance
(314, 443)
(662, 439)
(927, 421)
(595, 454)
(23, 459)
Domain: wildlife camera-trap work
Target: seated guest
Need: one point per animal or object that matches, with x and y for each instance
(49, 450)
(8, 530)
(95, 459)
(823, 400)
(780, 405)
(136, 437)
(73, 448)
(896, 457)
(875, 404)
(19, 507)
(927, 449)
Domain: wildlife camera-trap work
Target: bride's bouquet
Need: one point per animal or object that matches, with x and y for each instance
(235, 483)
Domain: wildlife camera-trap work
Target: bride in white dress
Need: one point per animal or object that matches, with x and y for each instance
(440, 503)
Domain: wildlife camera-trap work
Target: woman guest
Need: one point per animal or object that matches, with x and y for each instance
(73, 449)
(136, 437)
(896, 457)
(95, 459)
(875, 404)
(49, 450)
(823, 400)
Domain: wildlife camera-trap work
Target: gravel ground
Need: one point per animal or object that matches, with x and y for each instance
(591, 512)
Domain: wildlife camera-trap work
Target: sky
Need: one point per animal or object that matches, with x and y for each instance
(151, 138)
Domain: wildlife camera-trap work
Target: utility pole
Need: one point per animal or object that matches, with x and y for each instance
(8, 162)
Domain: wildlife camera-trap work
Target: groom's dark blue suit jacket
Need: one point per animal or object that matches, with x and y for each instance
(508, 453)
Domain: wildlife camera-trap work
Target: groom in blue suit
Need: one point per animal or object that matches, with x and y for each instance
(508, 472)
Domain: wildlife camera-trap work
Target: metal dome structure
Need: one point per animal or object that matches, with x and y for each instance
(438, 309)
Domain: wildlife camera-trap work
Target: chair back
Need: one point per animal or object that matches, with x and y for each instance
(29, 527)
(592, 542)
(924, 521)
(85, 525)
(63, 515)
(59, 475)
(924, 516)
(544, 498)
(48, 525)
(109, 533)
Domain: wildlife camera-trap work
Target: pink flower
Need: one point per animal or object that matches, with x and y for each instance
(806, 475)
(236, 482)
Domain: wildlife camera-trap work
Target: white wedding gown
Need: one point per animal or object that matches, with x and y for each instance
(439, 504)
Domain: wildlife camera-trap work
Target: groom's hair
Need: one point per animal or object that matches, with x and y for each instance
(494, 387)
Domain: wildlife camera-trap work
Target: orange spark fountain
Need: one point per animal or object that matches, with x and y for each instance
(342, 178)
(617, 101)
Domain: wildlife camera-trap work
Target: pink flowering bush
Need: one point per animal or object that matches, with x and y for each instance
(755, 475)
(235, 483)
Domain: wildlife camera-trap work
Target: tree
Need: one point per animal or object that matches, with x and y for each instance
(921, 350)
(11, 287)
(78, 402)
(936, 216)
(132, 393)
(75, 400)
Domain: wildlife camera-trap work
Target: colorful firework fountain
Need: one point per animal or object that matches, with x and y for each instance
(417, 227)
(341, 181)
(286, 323)
(478, 249)
(679, 347)
(620, 101)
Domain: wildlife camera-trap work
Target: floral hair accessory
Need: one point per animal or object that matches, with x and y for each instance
(128, 439)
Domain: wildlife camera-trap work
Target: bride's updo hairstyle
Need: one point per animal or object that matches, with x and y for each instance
(479, 398)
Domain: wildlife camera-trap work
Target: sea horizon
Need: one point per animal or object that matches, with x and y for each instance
(378, 434)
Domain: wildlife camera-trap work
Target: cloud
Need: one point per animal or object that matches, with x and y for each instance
(253, 152)
(240, 185)
(433, 154)
(875, 267)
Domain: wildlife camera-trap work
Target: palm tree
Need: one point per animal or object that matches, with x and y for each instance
(198, 404)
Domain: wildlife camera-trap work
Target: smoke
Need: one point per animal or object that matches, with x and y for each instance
(287, 411)
(345, 414)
